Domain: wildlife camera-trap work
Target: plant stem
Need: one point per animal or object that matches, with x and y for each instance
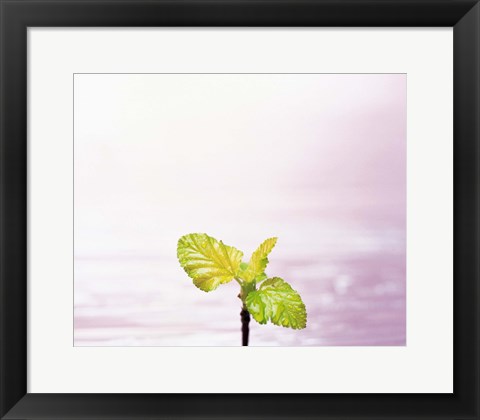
(245, 289)
(245, 317)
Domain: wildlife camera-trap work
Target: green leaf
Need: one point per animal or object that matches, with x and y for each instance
(258, 261)
(277, 302)
(207, 261)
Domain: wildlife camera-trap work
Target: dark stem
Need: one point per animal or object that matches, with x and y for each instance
(245, 316)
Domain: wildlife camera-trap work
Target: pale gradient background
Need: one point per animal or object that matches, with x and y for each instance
(317, 160)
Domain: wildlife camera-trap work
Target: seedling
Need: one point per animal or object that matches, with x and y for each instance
(211, 263)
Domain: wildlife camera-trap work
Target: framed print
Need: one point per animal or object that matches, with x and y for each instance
(239, 209)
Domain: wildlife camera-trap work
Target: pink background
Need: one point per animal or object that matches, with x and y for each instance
(318, 160)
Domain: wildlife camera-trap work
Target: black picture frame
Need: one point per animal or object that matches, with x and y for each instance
(18, 15)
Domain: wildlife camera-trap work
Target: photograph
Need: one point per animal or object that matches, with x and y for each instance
(235, 209)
